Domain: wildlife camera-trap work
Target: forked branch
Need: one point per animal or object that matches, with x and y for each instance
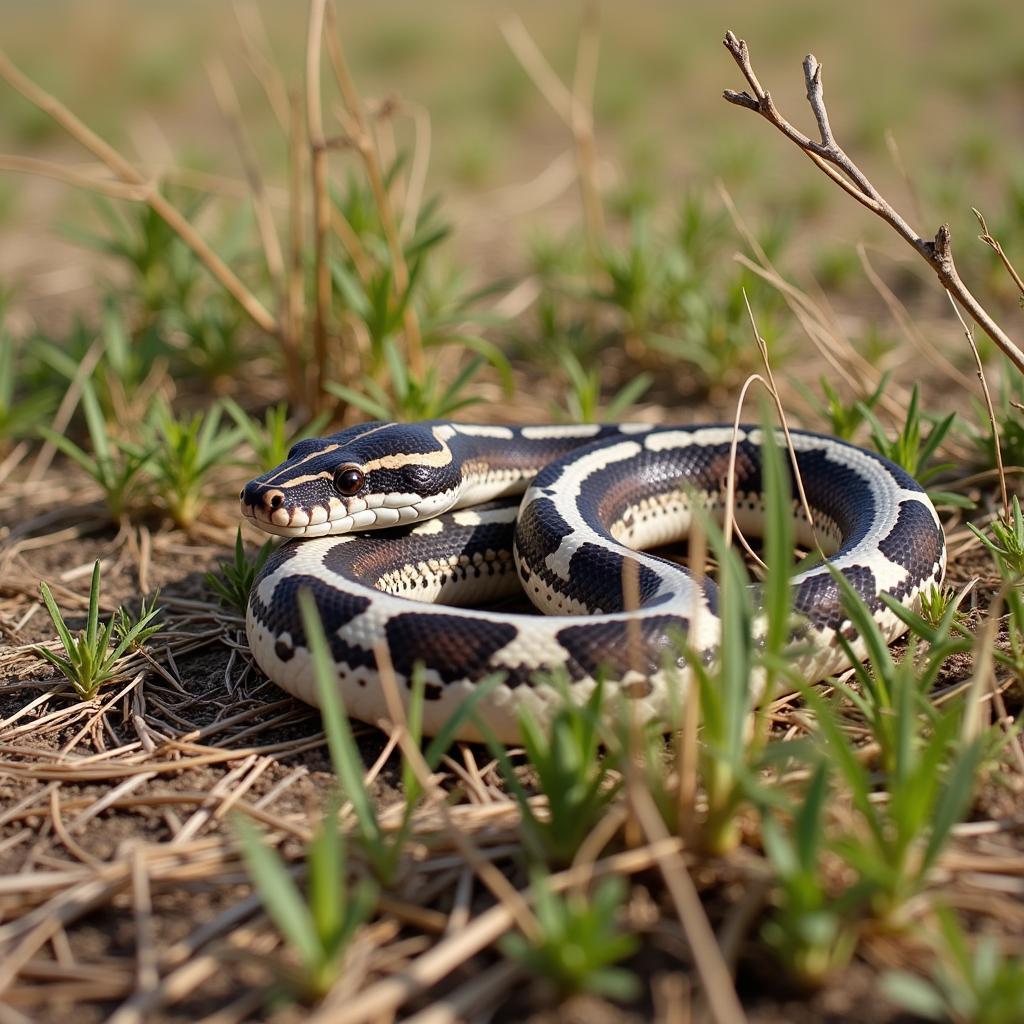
(833, 161)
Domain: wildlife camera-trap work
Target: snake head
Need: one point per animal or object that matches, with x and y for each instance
(368, 477)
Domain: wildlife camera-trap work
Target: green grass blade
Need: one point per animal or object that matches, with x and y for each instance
(344, 754)
(280, 895)
(92, 623)
(63, 632)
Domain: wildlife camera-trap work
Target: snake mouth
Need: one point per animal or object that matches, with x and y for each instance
(377, 512)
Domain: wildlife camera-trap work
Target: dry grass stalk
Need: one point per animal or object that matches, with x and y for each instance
(574, 106)
(834, 162)
(992, 422)
(995, 246)
(719, 991)
(150, 193)
(357, 127)
(905, 322)
(321, 200)
(256, 46)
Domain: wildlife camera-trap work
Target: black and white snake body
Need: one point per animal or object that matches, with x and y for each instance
(383, 513)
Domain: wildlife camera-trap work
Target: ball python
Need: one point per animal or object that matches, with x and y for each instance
(395, 527)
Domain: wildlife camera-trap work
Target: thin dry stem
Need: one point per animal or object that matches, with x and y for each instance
(992, 422)
(321, 200)
(128, 174)
(418, 170)
(227, 100)
(773, 390)
(45, 169)
(834, 162)
(255, 43)
(295, 297)
(573, 107)
(361, 136)
(994, 245)
(723, 1002)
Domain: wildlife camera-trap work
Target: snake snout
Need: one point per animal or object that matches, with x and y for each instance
(261, 501)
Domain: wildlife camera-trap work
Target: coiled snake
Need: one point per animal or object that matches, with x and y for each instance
(383, 512)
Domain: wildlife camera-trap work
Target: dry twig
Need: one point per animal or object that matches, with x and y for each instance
(833, 161)
(993, 244)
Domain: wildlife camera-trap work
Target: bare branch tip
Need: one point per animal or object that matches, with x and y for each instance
(741, 99)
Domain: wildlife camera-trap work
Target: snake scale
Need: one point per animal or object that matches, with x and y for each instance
(393, 527)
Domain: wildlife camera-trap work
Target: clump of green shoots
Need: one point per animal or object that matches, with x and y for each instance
(185, 451)
(980, 985)
(734, 737)
(20, 415)
(579, 783)
(233, 582)
(383, 849)
(846, 418)
(583, 398)
(1005, 543)
(118, 466)
(892, 696)
(408, 397)
(810, 931)
(912, 451)
(90, 659)
(320, 927)
(1010, 421)
(895, 842)
(580, 940)
(272, 439)
(390, 295)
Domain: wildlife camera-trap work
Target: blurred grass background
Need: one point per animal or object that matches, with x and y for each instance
(943, 79)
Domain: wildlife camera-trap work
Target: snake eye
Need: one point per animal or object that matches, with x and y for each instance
(348, 480)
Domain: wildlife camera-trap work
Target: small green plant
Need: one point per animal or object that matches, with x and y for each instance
(126, 625)
(936, 602)
(1005, 543)
(185, 451)
(388, 295)
(846, 418)
(90, 659)
(271, 439)
(1010, 424)
(319, 928)
(914, 452)
(647, 279)
(117, 465)
(233, 581)
(409, 398)
(892, 696)
(896, 840)
(218, 346)
(583, 398)
(164, 271)
(809, 931)
(580, 940)
(578, 783)
(20, 415)
(973, 986)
